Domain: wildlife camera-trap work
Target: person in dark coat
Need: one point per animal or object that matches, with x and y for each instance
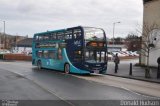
(158, 71)
(116, 61)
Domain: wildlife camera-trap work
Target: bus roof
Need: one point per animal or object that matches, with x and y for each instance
(49, 32)
(61, 30)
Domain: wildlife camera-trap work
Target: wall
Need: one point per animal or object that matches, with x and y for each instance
(152, 16)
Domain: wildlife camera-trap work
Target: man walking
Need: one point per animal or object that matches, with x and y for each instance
(116, 61)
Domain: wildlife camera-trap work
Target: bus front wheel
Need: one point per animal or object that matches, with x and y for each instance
(67, 68)
(39, 65)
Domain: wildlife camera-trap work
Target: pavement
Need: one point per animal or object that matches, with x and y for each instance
(22, 81)
(138, 73)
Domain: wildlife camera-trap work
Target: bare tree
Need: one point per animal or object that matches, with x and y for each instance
(147, 44)
(133, 42)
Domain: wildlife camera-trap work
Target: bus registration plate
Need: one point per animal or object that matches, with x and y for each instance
(96, 71)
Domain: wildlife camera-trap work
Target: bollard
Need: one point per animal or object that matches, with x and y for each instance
(158, 71)
(130, 70)
(116, 68)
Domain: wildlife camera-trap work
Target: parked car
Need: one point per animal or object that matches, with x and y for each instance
(4, 51)
(119, 54)
(124, 53)
(135, 53)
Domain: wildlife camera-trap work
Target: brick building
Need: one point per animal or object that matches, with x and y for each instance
(7, 40)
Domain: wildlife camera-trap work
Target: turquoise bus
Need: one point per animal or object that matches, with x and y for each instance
(81, 50)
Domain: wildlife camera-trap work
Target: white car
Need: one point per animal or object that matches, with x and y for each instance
(124, 53)
(135, 53)
(119, 54)
(4, 51)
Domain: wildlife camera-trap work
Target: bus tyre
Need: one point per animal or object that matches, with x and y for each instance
(67, 68)
(39, 65)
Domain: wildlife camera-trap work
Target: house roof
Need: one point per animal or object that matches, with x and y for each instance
(24, 43)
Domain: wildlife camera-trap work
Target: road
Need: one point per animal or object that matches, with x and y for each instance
(53, 85)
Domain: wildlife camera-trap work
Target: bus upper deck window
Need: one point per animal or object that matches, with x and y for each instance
(40, 38)
(53, 36)
(36, 38)
(60, 35)
(77, 33)
(46, 37)
(68, 35)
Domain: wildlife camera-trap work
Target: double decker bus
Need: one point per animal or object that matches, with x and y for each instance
(81, 50)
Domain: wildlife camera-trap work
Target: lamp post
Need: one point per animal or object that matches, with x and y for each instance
(4, 23)
(4, 28)
(114, 30)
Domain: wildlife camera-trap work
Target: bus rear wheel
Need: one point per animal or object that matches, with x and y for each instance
(39, 65)
(67, 68)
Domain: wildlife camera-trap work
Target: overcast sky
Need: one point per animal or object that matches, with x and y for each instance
(26, 17)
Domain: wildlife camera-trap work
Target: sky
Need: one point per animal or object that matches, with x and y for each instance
(26, 17)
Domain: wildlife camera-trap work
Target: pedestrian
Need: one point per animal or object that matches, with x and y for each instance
(158, 71)
(116, 61)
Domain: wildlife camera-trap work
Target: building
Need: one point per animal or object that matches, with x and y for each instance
(23, 46)
(151, 16)
(118, 45)
(7, 40)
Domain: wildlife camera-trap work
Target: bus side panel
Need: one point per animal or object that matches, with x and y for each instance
(52, 64)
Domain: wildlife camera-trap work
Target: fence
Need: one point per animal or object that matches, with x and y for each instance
(15, 57)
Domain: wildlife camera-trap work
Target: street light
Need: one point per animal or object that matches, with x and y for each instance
(4, 25)
(114, 30)
(4, 33)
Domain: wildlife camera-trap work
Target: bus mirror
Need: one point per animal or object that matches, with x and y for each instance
(62, 45)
